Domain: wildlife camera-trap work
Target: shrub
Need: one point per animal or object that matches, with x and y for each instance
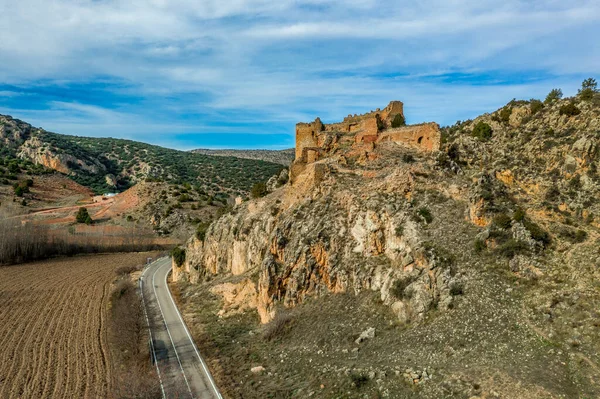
(504, 114)
(482, 131)
(511, 248)
(537, 233)
(572, 235)
(178, 255)
(408, 158)
(554, 95)
(398, 121)
(589, 88)
(535, 106)
(454, 153)
(397, 290)
(359, 380)
(519, 215)
(18, 191)
(399, 231)
(479, 246)
(258, 190)
(83, 216)
(553, 194)
(569, 109)
(201, 230)
(380, 123)
(502, 220)
(581, 236)
(124, 270)
(425, 214)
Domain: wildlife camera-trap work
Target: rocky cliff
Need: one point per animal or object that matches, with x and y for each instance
(346, 223)
(393, 268)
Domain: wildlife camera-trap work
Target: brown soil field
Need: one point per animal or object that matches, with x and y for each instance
(53, 321)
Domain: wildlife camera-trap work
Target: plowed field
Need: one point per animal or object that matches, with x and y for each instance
(53, 327)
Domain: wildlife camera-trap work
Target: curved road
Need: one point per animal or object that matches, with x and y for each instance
(182, 372)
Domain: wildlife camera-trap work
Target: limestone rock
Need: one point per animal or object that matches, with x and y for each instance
(369, 333)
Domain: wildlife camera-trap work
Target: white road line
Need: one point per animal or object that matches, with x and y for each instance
(169, 332)
(162, 388)
(206, 371)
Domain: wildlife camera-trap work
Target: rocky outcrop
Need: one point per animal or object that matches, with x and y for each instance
(333, 229)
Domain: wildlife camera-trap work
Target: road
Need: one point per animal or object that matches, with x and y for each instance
(180, 367)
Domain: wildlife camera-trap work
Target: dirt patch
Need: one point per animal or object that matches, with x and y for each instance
(54, 325)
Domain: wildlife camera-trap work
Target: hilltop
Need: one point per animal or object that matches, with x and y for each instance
(108, 165)
(283, 157)
(412, 261)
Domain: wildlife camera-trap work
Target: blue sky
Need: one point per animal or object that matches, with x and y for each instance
(240, 73)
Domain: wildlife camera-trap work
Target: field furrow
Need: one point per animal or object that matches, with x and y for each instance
(53, 327)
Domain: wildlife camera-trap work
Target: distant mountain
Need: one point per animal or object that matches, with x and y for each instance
(283, 157)
(107, 164)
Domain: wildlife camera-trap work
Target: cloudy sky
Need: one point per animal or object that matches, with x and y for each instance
(241, 73)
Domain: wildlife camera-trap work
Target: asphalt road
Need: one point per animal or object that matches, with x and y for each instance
(182, 371)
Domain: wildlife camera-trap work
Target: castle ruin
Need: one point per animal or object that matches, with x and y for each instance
(317, 140)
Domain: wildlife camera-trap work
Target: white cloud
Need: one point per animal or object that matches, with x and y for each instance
(280, 61)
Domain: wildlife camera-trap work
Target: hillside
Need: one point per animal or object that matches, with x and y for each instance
(412, 261)
(107, 164)
(283, 157)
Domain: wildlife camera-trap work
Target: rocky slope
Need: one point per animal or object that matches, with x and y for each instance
(494, 238)
(107, 165)
(283, 157)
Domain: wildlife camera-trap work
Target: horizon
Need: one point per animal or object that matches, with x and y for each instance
(240, 76)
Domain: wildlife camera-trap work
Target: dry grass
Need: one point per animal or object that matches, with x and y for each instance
(23, 242)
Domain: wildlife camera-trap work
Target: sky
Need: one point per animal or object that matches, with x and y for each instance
(241, 73)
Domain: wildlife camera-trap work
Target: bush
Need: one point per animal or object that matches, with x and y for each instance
(589, 88)
(454, 153)
(511, 248)
(519, 215)
(569, 109)
(18, 191)
(553, 194)
(380, 123)
(258, 190)
(479, 246)
(408, 158)
(359, 380)
(572, 235)
(83, 216)
(397, 290)
(537, 233)
(399, 231)
(502, 220)
(201, 230)
(178, 255)
(535, 106)
(504, 114)
(554, 95)
(425, 214)
(398, 121)
(482, 131)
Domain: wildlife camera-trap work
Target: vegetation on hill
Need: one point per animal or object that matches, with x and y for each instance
(108, 164)
(132, 161)
(283, 157)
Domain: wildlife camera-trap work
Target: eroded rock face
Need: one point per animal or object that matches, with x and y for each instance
(332, 230)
